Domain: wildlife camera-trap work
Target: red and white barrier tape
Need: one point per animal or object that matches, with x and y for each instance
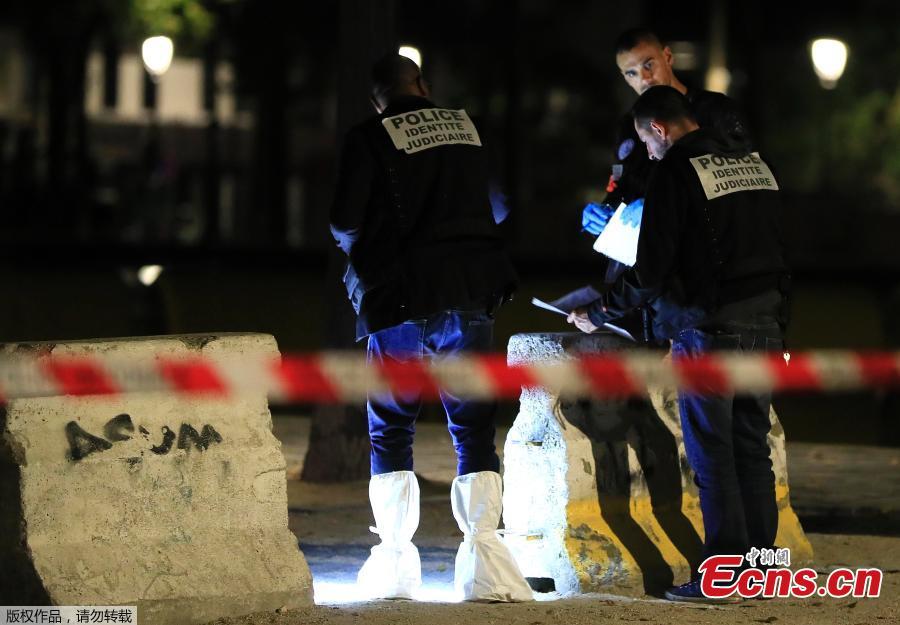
(331, 377)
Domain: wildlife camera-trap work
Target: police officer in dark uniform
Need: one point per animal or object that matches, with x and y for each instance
(710, 265)
(645, 61)
(426, 271)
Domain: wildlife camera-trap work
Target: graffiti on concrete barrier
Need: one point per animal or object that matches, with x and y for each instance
(188, 435)
(121, 428)
(83, 443)
(166, 445)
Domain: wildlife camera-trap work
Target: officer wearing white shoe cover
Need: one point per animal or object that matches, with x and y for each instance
(426, 271)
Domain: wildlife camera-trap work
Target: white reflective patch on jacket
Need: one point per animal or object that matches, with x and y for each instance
(721, 175)
(429, 128)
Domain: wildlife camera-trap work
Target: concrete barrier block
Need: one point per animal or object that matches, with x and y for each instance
(177, 505)
(598, 495)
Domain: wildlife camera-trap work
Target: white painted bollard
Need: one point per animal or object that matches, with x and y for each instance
(598, 495)
(177, 505)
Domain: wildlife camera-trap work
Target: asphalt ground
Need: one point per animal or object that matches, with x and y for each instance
(837, 490)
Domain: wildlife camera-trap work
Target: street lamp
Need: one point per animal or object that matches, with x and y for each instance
(829, 57)
(157, 54)
(148, 274)
(412, 54)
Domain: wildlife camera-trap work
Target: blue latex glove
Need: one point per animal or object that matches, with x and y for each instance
(595, 217)
(631, 214)
(499, 203)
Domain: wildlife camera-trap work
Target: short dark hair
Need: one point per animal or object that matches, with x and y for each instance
(633, 36)
(662, 103)
(392, 71)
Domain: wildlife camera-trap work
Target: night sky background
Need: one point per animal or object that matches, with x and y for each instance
(234, 207)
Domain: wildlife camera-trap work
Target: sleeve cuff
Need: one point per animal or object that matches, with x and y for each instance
(597, 312)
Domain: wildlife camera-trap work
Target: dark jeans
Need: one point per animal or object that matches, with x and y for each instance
(392, 418)
(726, 445)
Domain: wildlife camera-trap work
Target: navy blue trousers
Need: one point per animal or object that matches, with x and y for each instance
(392, 418)
(725, 437)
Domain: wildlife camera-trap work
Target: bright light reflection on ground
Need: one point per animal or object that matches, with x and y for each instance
(334, 568)
(336, 593)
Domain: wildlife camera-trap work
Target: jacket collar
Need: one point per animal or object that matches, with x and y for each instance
(406, 103)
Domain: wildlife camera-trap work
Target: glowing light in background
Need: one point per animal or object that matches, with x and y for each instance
(829, 57)
(148, 274)
(412, 54)
(157, 53)
(718, 79)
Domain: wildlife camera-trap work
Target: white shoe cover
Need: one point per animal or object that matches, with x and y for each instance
(393, 571)
(485, 569)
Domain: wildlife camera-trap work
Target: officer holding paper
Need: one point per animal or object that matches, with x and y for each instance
(644, 61)
(710, 265)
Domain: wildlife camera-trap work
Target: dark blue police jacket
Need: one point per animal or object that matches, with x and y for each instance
(412, 212)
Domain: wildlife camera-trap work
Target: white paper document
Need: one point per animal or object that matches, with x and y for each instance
(619, 239)
(576, 299)
(542, 304)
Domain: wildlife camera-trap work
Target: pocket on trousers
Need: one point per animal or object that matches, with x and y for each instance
(401, 342)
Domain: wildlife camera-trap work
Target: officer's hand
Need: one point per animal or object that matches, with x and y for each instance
(595, 217)
(631, 214)
(581, 320)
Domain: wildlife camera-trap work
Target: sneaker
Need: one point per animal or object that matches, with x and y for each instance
(691, 593)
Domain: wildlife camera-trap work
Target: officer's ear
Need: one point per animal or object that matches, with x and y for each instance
(668, 56)
(423, 86)
(659, 129)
